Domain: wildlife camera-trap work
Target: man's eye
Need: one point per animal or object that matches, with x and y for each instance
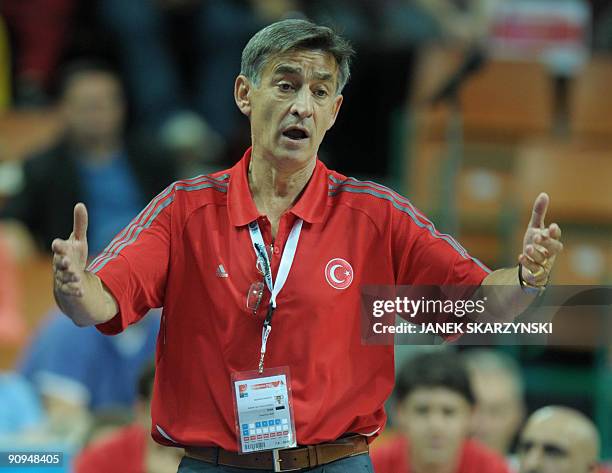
(322, 93)
(524, 447)
(555, 451)
(285, 87)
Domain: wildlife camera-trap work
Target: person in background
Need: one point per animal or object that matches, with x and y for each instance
(20, 409)
(79, 372)
(92, 162)
(435, 405)
(217, 31)
(500, 405)
(131, 449)
(558, 440)
(12, 326)
(41, 29)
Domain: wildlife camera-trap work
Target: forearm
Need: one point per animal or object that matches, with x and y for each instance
(95, 304)
(506, 299)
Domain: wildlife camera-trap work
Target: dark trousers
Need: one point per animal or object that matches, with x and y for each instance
(356, 464)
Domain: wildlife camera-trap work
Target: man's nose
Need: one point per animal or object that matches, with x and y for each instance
(437, 423)
(303, 103)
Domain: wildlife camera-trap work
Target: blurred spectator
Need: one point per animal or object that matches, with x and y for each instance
(466, 21)
(20, 409)
(5, 67)
(602, 16)
(40, 29)
(388, 36)
(500, 406)
(434, 414)
(189, 142)
(217, 30)
(131, 449)
(78, 370)
(12, 327)
(91, 163)
(558, 440)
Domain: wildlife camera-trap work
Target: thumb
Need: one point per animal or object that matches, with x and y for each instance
(80, 222)
(540, 207)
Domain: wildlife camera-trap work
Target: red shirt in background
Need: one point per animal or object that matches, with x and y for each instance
(394, 457)
(123, 451)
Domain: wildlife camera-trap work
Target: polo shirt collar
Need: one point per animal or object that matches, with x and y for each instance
(310, 207)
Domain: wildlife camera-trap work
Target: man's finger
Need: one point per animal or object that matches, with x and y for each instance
(70, 289)
(80, 222)
(59, 246)
(540, 206)
(555, 231)
(538, 254)
(554, 247)
(66, 277)
(61, 263)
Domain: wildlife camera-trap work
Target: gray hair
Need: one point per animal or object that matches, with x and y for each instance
(286, 35)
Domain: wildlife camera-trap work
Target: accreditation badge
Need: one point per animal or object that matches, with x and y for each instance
(263, 410)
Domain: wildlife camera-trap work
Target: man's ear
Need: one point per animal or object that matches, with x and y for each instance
(336, 108)
(242, 89)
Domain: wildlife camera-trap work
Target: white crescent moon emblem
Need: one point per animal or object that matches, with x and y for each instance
(332, 274)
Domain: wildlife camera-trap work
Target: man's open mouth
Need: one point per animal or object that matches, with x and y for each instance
(295, 133)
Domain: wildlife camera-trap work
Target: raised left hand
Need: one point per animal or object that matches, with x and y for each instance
(541, 245)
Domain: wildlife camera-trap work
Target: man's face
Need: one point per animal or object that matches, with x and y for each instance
(499, 410)
(293, 106)
(436, 421)
(93, 107)
(551, 446)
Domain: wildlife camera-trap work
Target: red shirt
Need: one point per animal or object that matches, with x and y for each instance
(190, 251)
(123, 451)
(394, 457)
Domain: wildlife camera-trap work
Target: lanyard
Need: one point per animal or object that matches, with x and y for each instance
(283, 271)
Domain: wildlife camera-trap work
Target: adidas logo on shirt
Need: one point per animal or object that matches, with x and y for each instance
(221, 272)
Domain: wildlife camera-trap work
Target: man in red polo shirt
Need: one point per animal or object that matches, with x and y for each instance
(130, 449)
(435, 405)
(278, 240)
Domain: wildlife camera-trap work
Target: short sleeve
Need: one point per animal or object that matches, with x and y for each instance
(425, 256)
(134, 265)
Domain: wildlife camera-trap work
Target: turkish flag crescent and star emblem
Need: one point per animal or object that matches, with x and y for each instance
(339, 273)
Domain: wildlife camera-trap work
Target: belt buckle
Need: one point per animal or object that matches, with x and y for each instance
(277, 462)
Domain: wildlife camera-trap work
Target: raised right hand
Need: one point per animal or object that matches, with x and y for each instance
(70, 259)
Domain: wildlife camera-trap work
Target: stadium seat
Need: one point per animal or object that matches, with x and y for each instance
(590, 101)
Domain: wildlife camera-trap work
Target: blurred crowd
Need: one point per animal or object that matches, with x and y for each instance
(141, 93)
(468, 413)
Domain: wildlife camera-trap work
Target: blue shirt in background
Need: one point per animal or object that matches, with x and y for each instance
(83, 366)
(113, 198)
